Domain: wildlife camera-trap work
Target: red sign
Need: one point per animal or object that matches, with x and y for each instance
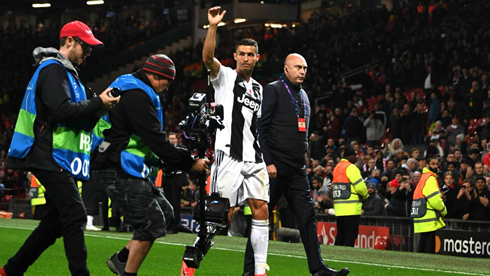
(369, 236)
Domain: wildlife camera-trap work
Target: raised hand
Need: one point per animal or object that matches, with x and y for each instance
(214, 16)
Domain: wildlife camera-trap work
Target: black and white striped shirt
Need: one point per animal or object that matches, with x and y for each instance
(241, 102)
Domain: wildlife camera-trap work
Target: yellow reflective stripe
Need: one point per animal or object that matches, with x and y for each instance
(357, 182)
(432, 195)
(425, 220)
(346, 201)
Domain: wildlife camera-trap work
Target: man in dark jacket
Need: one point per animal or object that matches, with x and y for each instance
(52, 139)
(283, 137)
(404, 195)
(373, 205)
(354, 127)
(133, 142)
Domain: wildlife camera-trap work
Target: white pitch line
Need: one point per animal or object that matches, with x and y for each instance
(284, 255)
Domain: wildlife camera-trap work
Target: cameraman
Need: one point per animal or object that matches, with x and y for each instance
(133, 139)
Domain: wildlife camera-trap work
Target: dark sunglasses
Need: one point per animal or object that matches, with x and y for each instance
(86, 48)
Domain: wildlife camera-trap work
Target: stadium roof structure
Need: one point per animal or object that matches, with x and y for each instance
(63, 4)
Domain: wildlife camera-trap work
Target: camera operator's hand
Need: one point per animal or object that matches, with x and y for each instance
(108, 101)
(200, 165)
(271, 169)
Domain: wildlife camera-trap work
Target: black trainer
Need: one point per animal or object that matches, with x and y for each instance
(115, 265)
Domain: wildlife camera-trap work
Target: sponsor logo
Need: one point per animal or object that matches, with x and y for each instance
(249, 103)
(462, 246)
(369, 236)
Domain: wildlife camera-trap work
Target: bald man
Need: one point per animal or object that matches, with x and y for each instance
(283, 137)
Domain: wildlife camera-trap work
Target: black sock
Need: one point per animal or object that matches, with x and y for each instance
(123, 255)
(130, 274)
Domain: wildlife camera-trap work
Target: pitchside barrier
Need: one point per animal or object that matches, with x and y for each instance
(458, 238)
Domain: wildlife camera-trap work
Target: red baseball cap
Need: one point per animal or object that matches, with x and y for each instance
(80, 30)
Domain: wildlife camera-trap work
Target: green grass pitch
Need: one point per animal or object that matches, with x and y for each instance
(226, 256)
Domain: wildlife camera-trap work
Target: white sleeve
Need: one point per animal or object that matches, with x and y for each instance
(219, 83)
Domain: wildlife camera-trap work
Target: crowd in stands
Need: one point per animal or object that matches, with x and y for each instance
(425, 84)
(391, 180)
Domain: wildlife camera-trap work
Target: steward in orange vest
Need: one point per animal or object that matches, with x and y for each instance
(349, 190)
(428, 208)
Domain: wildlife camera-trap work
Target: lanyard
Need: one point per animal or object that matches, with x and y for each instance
(294, 100)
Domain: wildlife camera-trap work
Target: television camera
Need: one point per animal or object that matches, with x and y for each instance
(198, 128)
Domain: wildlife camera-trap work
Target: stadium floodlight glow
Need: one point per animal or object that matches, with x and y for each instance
(95, 2)
(41, 5)
(262, 2)
(275, 25)
(219, 25)
(239, 20)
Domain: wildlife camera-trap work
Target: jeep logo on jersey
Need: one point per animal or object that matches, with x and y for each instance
(250, 103)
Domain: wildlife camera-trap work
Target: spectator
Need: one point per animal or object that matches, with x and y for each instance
(478, 167)
(460, 145)
(373, 205)
(318, 189)
(403, 196)
(416, 177)
(434, 108)
(453, 130)
(369, 167)
(415, 153)
(463, 199)
(375, 128)
(392, 203)
(406, 120)
(390, 168)
(186, 197)
(474, 100)
(474, 156)
(479, 208)
(391, 149)
(354, 127)
(194, 192)
(450, 190)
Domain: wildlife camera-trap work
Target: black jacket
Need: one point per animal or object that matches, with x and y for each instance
(279, 137)
(53, 105)
(135, 114)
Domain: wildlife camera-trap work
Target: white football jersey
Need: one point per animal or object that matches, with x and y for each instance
(241, 101)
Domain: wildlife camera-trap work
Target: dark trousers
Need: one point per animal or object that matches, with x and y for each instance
(92, 194)
(427, 243)
(347, 230)
(65, 217)
(294, 184)
(172, 188)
